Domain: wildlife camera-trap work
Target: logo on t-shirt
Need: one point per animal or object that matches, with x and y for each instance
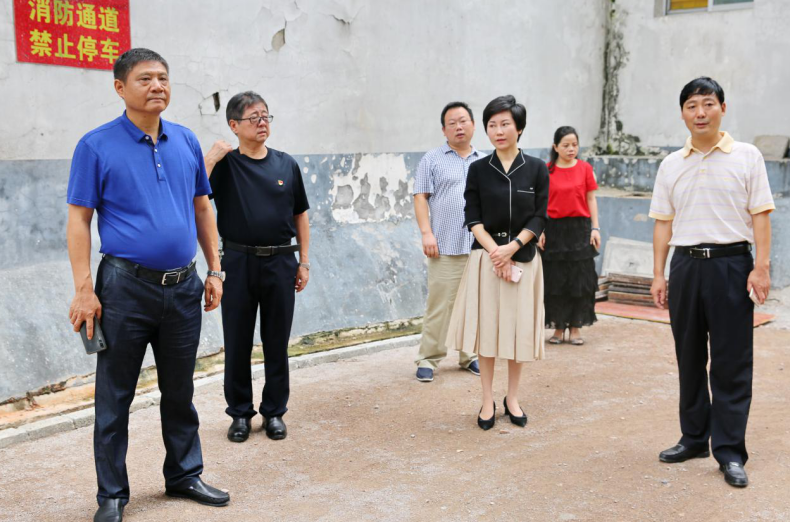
(280, 182)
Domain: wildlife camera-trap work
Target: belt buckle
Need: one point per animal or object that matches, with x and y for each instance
(263, 251)
(699, 253)
(166, 274)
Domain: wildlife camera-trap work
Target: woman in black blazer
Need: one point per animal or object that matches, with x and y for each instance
(496, 314)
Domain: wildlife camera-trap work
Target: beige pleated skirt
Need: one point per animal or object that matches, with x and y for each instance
(497, 318)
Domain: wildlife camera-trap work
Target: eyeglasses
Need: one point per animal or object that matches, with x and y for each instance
(255, 120)
(460, 123)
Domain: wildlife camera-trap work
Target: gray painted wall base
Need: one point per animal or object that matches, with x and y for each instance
(367, 261)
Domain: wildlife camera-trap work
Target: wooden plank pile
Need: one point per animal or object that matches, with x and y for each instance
(629, 289)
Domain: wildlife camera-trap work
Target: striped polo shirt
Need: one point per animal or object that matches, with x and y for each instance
(442, 174)
(711, 197)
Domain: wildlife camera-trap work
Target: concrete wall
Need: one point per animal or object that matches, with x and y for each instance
(352, 85)
(743, 49)
(341, 76)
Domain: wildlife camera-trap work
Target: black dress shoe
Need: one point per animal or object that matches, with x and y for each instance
(518, 421)
(734, 474)
(239, 430)
(201, 493)
(110, 511)
(486, 424)
(680, 453)
(275, 428)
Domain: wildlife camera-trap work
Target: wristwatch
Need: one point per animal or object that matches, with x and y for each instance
(220, 275)
(304, 265)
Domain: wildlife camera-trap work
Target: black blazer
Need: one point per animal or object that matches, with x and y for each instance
(507, 203)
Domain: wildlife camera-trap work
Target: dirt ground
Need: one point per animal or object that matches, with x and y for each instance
(368, 442)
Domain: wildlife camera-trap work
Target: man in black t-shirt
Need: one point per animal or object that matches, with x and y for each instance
(261, 206)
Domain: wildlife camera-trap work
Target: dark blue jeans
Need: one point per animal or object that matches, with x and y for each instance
(134, 314)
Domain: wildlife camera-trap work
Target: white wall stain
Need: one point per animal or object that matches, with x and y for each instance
(375, 189)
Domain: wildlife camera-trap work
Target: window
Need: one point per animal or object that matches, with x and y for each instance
(680, 6)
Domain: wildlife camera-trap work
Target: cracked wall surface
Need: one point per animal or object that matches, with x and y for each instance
(746, 50)
(340, 76)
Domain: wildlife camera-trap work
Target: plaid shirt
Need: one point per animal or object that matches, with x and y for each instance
(442, 175)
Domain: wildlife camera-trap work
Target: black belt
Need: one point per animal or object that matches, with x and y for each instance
(261, 251)
(160, 277)
(713, 251)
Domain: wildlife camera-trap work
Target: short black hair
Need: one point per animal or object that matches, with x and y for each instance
(239, 103)
(506, 103)
(126, 62)
(701, 85)
(456, 105)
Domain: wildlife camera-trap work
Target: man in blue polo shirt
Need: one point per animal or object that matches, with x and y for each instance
(146, 180)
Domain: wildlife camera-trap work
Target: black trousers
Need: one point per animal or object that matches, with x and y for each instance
(708, 302)
(255, 282)
(134, 314)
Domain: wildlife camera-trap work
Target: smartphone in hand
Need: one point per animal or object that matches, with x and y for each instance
(753, 297)
(515, 273)
(96, 344)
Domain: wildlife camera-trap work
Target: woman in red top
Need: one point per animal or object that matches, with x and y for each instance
(570, 241)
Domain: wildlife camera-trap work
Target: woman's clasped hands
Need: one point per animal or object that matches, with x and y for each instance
(500, 257)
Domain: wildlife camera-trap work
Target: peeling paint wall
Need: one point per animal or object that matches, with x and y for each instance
(341, 76)
(746, 50)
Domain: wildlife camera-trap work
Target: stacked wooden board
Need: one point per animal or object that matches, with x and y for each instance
(603, 288)
(629, 289)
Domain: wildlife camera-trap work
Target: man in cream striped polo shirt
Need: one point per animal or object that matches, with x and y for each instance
(711, 201)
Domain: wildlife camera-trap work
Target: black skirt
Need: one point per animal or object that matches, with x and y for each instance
(570, 281)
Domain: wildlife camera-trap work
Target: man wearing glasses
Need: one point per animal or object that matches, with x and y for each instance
(439, 207)
(261, 206)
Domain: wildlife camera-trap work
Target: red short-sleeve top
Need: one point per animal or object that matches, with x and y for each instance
(568, 188)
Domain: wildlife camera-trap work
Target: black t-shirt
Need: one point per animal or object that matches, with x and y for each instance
(257, 199)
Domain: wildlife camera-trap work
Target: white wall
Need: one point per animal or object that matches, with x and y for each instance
(746, 50)
(353, 75)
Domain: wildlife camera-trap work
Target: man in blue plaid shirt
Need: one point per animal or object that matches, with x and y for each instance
(439, 207)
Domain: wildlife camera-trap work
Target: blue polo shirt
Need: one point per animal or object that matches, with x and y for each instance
(143, 193)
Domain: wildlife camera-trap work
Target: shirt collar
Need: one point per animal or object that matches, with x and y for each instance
(724, 145)
(139, 135)
(518, 162)
(447, 148)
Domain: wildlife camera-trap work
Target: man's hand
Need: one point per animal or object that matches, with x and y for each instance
(213, 287)
(659, 291)
(302, 277)
(84, 307)
(429, 245)
(501, 256)
(217, 152)
(542, 241)
(759, 281)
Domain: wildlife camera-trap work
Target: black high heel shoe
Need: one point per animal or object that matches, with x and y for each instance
(518, 421)
(486, 424)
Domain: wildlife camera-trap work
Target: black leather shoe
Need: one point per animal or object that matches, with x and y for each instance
(518, 421)
(680, 453)
(275, 428)
(239, 430)
(486, 424)
(110, 511)
(201, 493)
(734, 474)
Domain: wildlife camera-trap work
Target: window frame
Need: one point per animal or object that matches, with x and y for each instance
(710, 9)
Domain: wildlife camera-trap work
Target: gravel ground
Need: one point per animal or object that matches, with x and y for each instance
(368, 442)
